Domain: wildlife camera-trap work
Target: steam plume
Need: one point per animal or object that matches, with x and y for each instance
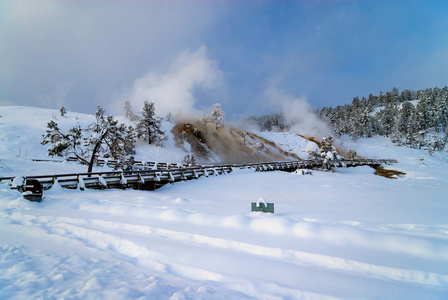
(172, 91)
(299, 114)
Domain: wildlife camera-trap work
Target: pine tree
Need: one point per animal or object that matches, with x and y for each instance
(405, 113)
(107, 137)
(406, 95)
(356, 103)
(395, 95)
(412, 123)
(56, 138)
(104, 138)
(189, 160)
(149, 126)
(381, 99)
(351, 154)
(328, 152)
(372, 100)
(217, 116)
(63, 111)
(169, 117)
(366, 124)
(387, 118)
(129, 113)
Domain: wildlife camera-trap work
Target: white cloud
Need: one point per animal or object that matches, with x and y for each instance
(173, 90)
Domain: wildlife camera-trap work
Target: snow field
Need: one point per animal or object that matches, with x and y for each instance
(342, 235)
(189, 234)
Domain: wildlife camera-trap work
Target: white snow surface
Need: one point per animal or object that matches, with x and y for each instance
(377, 109)
(290, 142)
(343, 235)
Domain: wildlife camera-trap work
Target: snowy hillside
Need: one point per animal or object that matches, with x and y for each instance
(343, 235)
(21, 130)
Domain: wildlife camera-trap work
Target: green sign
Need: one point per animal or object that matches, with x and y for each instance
(264, 207)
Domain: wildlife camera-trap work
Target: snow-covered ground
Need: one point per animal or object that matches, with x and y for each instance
(377, 109)
(290, 142)
(348, 234)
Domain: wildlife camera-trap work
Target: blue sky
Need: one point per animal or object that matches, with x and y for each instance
(187, 55)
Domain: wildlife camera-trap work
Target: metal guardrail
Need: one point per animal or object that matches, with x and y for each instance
(149, 179)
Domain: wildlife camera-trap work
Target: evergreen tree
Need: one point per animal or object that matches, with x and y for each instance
(129, 113)
(381, 99)
(149, 126)
(356, 103)
(406, 95)
(399, 121)
(189, 160)
(351, 154)
(328, 152)
(395, 95)
(105, 137)
(275, 122)
(56, 138)
(217, 116)
(387, 118)
(366, 124)
(169, 117)
(372, 100)
(63, 111)
(405, 113)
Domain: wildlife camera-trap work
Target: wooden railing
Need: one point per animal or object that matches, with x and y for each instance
(154, 177)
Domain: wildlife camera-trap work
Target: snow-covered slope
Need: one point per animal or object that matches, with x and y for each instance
(21, 130)
(343, 235)
(377, 109)
(291, 143)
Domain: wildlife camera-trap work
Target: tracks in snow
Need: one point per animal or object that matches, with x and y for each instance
(155, 248)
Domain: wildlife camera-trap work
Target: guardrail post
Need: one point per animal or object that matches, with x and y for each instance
(172, 179)
(81, 185)
(102, 181)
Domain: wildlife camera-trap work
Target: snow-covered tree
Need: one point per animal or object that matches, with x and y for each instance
(103, 138)
(328, 151)
(404, 115)
(351, 154)
(129, 113)
(169, 117)
(387, 117)
(327, 143)
(189, 160)
(217, 116)
(63, 111)
(271, 122)
(58, 141)
(259, 147)
(397, 116)
(149, 126)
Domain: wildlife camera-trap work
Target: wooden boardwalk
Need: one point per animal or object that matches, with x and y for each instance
(154, 177)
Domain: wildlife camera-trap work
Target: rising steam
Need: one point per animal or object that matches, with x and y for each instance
(299, 114)
(172, 90)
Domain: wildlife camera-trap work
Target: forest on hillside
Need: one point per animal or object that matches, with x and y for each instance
(417, 119)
